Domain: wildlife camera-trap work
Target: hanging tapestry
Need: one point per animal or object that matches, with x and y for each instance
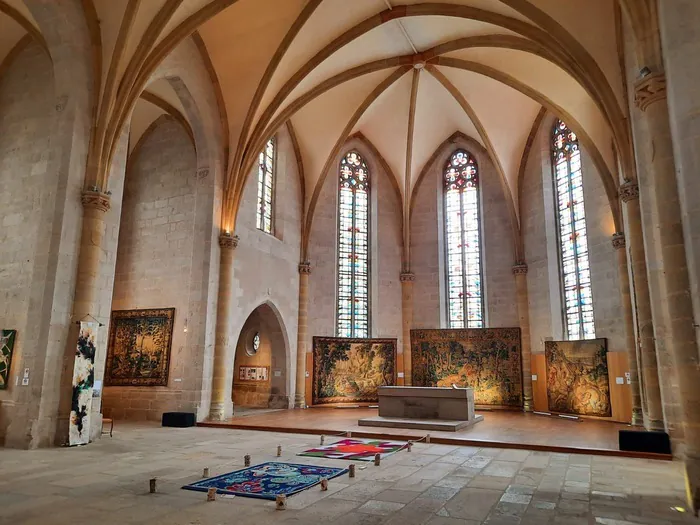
(267, 480)
(83, 381)
(577, 377)
(485, 359)
(139, 347)
(7, 343)
(356, 449)
(351, 370)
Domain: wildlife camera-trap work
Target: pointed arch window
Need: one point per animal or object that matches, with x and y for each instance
(465, 305)
(572, 234)
(266, 181)
(353, 247)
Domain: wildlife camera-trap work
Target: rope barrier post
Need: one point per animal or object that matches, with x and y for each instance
(351, 471)
(205, 472)
(323, 439)
(281, 502)
(279, 450)
(409, 446)
(348, 434)
(324, 484)
(246, 460)
(211, 494)
(152, 485)
(377, 459)
(427, 438)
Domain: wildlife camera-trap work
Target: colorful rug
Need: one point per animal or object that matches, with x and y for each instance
(267, 480)
(356, 449)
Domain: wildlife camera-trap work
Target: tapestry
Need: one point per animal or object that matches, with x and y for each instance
(83, 381)
(577, 377)
(485, 359)
(351, 370)
(139, 347)
(267, 480)
(7, 344)
(356, 449)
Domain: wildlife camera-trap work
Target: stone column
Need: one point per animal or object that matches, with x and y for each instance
(674, 327)
(520, 273)
(302, 334)
(618, 242)
(95, 206)
(646, 363)
(407, 280)
(221, 402)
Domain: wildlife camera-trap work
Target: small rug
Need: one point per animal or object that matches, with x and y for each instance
(356, 449)
(267, 480)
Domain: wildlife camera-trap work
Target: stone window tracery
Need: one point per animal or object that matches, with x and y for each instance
(465, 305)
(572, 234)
(266, 180)
(352, 319)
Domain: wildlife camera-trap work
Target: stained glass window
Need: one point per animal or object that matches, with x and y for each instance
(573, 240)
(353, 247)
(465, 303)
(266, 175)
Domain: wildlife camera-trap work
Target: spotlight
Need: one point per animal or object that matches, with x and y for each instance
(644, 72)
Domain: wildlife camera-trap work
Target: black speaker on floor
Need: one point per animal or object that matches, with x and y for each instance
(178, 419)
(645, 441)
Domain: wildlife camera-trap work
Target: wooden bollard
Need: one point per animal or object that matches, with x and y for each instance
(409, 445)
(246, 460)
(351, 471)
(323, 439)
(281, 502)
(152, 485)
(324, 484)
(205, 472)
(377, 459)
(279, 450)
(211, 494)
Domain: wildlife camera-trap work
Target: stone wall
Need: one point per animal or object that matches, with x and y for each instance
(541, 250)
(154, 261)
(428, 248)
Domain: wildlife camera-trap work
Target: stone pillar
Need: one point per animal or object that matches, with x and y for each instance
(520, 273)
(618, 242)
(95, 206)
(646, 362)
(407, 280)
(674, 327)
(221, 402)
(302, 334)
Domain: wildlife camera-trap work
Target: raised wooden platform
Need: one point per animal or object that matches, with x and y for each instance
(499, 429)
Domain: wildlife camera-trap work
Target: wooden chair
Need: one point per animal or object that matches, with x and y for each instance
(111, 425)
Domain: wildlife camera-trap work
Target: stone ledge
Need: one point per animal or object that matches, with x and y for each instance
(423, 424)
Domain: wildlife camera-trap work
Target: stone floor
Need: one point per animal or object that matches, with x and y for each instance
(107, 483)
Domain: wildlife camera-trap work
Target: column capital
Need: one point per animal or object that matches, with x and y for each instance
(520, 268)
(305, 267)
(649, 89)
(629, 191)
(95, 200)
(618, 240)
(226, 240)
(407, 277)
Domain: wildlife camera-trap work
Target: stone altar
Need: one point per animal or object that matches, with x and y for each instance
(429, 408)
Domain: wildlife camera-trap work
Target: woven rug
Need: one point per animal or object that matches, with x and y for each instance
(267, 480)
(356, 449)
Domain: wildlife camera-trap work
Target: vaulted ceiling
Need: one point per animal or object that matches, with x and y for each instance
(405, 73)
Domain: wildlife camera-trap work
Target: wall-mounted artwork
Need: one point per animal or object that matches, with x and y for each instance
(577, 377)
(7, 344)
(485, 359)
(253, 373)
(351, 370)
(139, 347)
(83, 382)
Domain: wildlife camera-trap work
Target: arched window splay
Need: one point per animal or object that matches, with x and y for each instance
(573, 239)
(266, 180)
(465, 305)
(353, 248)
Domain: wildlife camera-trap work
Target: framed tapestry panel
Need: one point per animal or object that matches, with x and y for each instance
(7, 344)
(577, 377)
(485, 359)
(349, 370)
(139, 347)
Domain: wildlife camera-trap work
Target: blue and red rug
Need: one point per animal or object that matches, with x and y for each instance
(356, 449)
(267, 480)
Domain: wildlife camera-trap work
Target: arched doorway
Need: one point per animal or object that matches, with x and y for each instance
(260, 365)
